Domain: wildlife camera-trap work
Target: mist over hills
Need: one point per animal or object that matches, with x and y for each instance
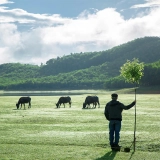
(91, 70)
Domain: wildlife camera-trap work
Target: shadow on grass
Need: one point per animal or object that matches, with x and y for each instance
(88, 108)
(131, 155)
(108, 156)
(20, 109)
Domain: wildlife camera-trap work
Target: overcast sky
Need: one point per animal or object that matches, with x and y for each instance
(34, 31)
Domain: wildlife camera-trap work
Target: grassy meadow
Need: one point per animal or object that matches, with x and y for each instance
(47, 133)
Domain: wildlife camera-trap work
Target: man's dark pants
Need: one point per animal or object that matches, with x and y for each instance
(114, 132)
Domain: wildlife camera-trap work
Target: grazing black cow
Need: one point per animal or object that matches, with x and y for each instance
(89, 100)
(24, 100)
(63, 100)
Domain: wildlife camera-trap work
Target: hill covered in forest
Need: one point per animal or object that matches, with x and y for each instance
(89, 70)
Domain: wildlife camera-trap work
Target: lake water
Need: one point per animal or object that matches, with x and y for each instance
(49, 93)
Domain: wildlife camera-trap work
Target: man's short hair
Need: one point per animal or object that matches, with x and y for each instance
(114, 95)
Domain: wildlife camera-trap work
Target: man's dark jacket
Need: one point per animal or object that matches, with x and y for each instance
(113, 110)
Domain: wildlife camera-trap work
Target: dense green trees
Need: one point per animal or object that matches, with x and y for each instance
(91, 70)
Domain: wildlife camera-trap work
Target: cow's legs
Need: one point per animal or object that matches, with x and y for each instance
(95, 104)
(98, 105)
(29, 106)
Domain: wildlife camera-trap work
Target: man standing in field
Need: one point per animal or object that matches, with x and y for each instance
(113, 113)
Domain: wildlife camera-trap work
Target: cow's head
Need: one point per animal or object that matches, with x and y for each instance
(17, 105)
(84, 105)
(57, 104)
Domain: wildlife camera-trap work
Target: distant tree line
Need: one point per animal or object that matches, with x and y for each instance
(91, 70)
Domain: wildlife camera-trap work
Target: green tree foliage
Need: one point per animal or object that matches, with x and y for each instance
(151, 74)
(132, 71)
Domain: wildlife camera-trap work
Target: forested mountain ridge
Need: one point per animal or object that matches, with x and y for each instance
(90, 70)
(145, 49)
(18, 69)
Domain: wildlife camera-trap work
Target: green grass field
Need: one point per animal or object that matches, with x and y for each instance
(46, 133)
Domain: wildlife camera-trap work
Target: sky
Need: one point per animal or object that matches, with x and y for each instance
(35, 31)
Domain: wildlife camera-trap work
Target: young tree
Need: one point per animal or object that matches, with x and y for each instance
(132, 72)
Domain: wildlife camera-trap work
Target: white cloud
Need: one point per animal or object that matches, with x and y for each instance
(21, 16)
(47, 36)
(149, 3)
(5, 2)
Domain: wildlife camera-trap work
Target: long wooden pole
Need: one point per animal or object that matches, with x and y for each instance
(135, 126)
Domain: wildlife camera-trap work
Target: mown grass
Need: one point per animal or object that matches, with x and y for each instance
(44, 132)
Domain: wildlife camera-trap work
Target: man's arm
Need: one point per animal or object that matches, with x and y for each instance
(129, 106)
(106, 113)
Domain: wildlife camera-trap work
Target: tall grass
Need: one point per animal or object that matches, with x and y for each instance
(45, 132)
